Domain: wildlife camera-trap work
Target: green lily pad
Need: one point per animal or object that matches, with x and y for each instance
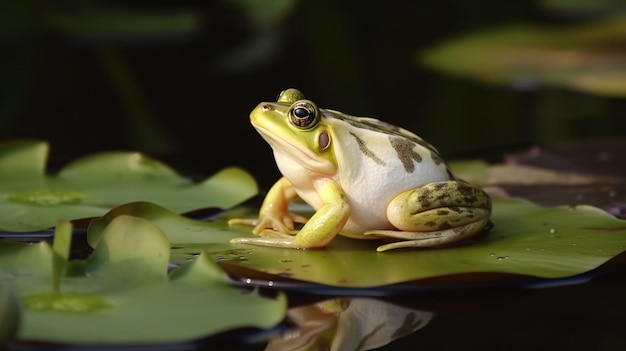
(30, 200)
(529, 240)
(582, 7)
(123, 293)
(587, 57)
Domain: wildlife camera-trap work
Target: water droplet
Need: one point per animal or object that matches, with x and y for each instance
(552, 230)
(501, 258)
(573, 244)
(492, 254)
(233, 255)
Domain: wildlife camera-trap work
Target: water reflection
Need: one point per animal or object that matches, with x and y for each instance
(348, 324)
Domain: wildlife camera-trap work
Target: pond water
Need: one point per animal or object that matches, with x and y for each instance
(581, 317)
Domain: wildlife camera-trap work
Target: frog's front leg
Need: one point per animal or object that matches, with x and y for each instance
(436, 214)
(319, 230)
(274, 213)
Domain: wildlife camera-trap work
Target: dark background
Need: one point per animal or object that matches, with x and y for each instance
(184, 96)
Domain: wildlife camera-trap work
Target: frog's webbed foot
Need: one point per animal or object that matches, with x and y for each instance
(278, 221)
(273, 229)
(429, 239)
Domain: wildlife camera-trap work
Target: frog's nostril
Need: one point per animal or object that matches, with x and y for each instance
(267, 107)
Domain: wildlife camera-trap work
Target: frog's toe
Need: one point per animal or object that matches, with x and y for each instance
(270, 233)
(243, 221)
(408, 244)
(268, 237)
(266, 241)
(429, 239)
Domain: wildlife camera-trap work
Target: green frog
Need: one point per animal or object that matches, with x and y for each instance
(365, 178)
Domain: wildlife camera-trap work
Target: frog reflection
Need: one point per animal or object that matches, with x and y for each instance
(348, 324)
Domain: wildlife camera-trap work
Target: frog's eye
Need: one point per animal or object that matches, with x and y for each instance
(303, 115)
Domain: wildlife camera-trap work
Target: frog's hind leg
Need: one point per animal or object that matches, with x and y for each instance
(436, 238)
(435, 215)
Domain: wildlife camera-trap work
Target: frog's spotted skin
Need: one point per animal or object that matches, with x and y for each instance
(367, 152)
(380, 127)
(365, 178)
(404, 148)
(400, 139)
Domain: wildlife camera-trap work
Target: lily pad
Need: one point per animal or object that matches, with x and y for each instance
(583, 7)
(31, 201)
(123, 293)
(588, 172)
(587, 57)
(528, 240)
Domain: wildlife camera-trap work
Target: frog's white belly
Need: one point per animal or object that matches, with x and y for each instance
(369, 187)
(370, 194)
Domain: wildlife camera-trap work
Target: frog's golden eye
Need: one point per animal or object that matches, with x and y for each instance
(303, 115)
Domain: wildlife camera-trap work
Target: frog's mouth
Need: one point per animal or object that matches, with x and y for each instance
(302, 156)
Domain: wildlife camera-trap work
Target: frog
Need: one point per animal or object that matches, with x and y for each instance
(363, 177)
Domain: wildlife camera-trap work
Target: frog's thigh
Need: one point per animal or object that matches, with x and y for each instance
(453, 218)
(425, 210)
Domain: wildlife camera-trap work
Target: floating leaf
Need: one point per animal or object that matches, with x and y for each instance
(23, 158)
(89, 187)
(123, 252)
(473, 171)
(563, 173)
(583, 7)
(123, 293)
(528, 240)
(60, 252)
(588, 57)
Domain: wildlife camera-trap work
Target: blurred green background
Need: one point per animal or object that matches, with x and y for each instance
(177, 79)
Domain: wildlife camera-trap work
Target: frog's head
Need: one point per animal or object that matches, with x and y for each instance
(295, 127)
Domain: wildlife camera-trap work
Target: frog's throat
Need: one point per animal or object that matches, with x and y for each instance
(303, 156)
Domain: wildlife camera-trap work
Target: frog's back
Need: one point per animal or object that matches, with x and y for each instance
(377, 126)
(383, 142)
